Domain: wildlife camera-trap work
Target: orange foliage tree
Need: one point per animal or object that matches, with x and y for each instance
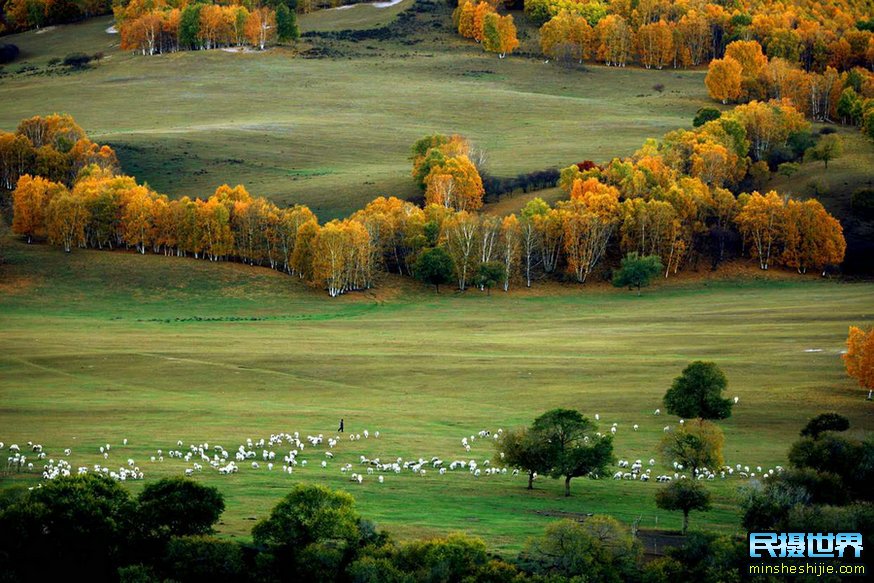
(859, 358)
(724, 79)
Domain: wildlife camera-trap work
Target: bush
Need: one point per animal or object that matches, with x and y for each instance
(704, 115)
(863, 203)
(200, 559)
(8, 53)
(77, 61)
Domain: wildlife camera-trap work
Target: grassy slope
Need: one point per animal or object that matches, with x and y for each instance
(87, 358)
(354, 16)
(334, 133)
(834, 187)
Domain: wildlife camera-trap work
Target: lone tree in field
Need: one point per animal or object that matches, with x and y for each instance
(637, 271)
(523, 449)
(859, 359)
(828, 148)
(825, 422)
(697, 393)
(434, 266)
(684, 495)
(490, 274)
(695, 446)
(575, 448)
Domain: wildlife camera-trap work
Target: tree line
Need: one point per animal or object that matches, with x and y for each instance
(54, 147)
(666, 200)
(160, 26)
(746, 73)
(662, 33)
(18, 15)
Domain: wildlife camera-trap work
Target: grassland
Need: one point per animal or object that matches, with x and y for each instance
(97, 347)
(335, 132)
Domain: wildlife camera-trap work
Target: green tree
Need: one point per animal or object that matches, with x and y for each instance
(637, 270)
(825, 422)
(203, 559)
(434, 266)
(576, 449)
(457, 557)
(490, 274)
(77, 520)
(705, 114)
(308, 515)
(286, 24)
(850, 107)
(697, 392)
(189, 26)
(827, 148)
(179, 507)
(525, 450)
(597, 549)
(685, 496)
(695, 445)
(788, 169)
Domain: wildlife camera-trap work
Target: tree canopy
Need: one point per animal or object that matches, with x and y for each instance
(697, 393)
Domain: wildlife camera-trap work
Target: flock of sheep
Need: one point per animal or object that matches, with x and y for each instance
(267, 454)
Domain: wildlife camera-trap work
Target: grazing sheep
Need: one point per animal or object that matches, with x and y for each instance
(657, 412)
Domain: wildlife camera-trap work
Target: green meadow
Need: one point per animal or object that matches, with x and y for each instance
(98, 347)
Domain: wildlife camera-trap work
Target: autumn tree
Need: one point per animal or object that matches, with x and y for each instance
(510, 244)
(462, 234)
(724, 79)
(811, 237)
(260, 27)
(748, 53)
(760, 222)
(499, 34)
(859, 358)
(649, 228)
(456, 184)
(66, 217)
(30, 201)
(695, 446)
(588, 221)
(655, 44)
(138, 218)
(615, 40)
(530, 236)
(568, 36)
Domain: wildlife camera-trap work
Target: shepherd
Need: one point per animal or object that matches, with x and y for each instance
(340, 429)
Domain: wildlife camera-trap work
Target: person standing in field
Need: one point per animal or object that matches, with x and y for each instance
(340, 429)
